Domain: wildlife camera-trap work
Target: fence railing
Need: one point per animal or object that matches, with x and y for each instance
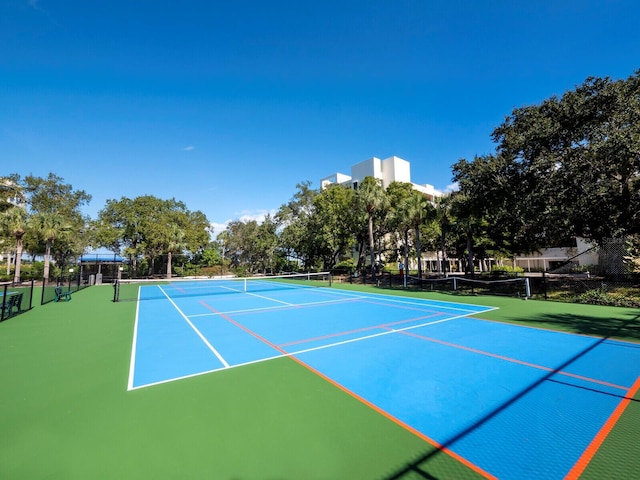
(15, 298)
(70, 283)
(615, 290)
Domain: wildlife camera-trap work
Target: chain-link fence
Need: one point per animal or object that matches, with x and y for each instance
(606, 274)
(15, 298)
(67, 284)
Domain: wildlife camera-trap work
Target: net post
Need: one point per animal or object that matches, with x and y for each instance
(116, 290)
(455, 284)
(527, 287)
(3, 301)
(330, 280)
(31, 294)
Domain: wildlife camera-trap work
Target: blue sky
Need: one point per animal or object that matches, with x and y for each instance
(227, 105)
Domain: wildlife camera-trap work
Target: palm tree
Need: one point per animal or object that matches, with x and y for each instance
(402, 221)
(14, 222)
(416, 211)
(48, 227)
(442, 217)
(372, 199)
(176, 244)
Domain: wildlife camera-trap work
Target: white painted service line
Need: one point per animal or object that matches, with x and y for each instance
(132, 363)
(202, 337)
(275, 307)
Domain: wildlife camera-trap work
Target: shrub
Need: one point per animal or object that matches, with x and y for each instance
(346, 267)
(506, 270)
(602, 297)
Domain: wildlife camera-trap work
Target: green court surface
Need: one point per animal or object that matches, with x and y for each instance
(65, 411)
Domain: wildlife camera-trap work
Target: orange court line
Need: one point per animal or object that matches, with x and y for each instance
(363, 329)
(602, 434)
(514, 360)
(397, 421)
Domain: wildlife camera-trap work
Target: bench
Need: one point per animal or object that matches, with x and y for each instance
(62, 295)
(14, 301)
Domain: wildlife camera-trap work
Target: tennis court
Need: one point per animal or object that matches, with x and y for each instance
(506, 401)
(322, 383)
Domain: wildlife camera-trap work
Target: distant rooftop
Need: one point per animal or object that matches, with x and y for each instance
(392, 169)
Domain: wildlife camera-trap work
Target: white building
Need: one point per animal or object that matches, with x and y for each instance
(582, 254)
(392, 169)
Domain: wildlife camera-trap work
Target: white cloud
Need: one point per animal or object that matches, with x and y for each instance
(189, 148)
(245, 216)
(453, 187)
(217, 228)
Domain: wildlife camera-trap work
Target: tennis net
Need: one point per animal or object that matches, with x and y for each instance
(132, 290)
(515, 287)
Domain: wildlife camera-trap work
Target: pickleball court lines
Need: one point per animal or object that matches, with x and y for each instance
(258, 310)
(512, 360)
(402, 424)
(359, 330)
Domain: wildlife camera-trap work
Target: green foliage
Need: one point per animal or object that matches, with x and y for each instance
(148, 227)
(604, 297)
(345, 267)
(506, 270)
(210, 257)
(545, 149)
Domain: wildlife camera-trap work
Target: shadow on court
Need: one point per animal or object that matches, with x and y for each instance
(627, 327)
(419, 467)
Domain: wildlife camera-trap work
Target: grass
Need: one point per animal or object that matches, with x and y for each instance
(65, 411)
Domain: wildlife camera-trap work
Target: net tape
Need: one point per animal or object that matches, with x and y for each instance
(128, 291)
(512, 286)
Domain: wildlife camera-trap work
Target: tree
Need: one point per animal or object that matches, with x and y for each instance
(48, 227)
(575, 161)
(298, 236)
(56, 208)
(211, 254)
(372, 199)
(266, 243)
(240, 242)
(11, 192)
(335, 224)
(14, 222)
(148, 226)
(175, 242)
(417, 210)
(400, 219)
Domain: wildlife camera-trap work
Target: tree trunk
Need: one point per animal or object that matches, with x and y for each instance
(442, 269)
(470, 253)
(372, 246)
(406, 257)
(16, 274)
(47, 260)
(419, 251)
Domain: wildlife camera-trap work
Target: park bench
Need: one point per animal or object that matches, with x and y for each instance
(14, 301)
(62, 295)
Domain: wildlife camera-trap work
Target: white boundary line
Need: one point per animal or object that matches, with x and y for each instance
(132, 363)
(290, 354)
(270, 299)
(276, 307)
(202, 337)
(344, 293)
(420, 301)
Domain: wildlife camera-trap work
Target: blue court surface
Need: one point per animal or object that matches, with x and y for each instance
(513, 401)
